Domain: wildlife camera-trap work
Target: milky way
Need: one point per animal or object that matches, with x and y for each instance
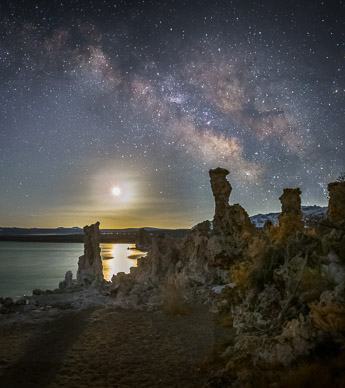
(149, 95)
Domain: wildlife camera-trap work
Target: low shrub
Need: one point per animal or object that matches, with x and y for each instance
(325, 373)
(330, 318)
(263, 268)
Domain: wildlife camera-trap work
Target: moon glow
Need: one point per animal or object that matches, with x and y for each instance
(116, 191)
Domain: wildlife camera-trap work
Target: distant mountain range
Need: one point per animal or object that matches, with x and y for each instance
(5, 231)
(258, 220)
(13, 231)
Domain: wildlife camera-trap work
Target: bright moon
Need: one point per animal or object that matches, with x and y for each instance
(116, 191)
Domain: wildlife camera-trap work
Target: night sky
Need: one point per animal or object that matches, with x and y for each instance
(147, 96)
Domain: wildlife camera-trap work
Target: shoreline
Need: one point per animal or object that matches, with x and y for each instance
(77, 238)
(16, 293)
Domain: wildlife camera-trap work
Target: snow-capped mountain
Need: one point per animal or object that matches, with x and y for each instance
(308, 212)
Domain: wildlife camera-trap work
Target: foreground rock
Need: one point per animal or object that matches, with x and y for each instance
(336, 206)
(90, 264)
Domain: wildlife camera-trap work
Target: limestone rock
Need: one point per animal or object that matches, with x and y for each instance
(160, 262)
(20, 302)
(143, 282)
(241, 223)
(7, 302)
(205, 254)
(69, 279)
(196, 256)
(62, 285)
(90, 264)
(207, 257)
(68, 282)
(3, 309)
(299, 338)
(122, 282)
(336, 296)
(336, 205)
(227, 219)
(221, 190)
(290, 219)
(143, 240)
(334, 269)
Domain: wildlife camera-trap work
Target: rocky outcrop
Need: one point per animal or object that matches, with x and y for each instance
(160, 262)
(142, 285)
(287, 299)
(221, 190)
(69, 279)
(203, 257)
(143, 240)
(68, 282)
(336, 205)
(279, 287)
(195, 260)
(228, 219)
(90, 264)
(290, 219)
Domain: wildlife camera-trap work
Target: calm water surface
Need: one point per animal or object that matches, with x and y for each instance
(25, 266)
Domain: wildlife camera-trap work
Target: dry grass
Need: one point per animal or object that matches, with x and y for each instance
(324, 374)
(240, 275)
(330, 318)
(263, 268)
(226, 320)
(173, 298)
(213, 361)
(313, 283)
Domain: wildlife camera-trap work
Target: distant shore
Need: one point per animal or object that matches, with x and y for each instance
(124, 237)
(72, 238)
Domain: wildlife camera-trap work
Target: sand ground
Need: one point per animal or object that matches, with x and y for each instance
(108, 347)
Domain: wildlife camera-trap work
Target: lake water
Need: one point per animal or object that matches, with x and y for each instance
(25, 266)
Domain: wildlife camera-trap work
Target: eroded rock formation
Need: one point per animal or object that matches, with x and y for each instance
(281, 294)
(221, 190)
(228, 219)
(204, 255)
(143, 240)
(336, 205)
(90, 264)
(290, 219)
(160, 261)
(68, 282)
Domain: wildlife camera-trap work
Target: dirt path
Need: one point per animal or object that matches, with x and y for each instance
(115, 348)
(44, 350)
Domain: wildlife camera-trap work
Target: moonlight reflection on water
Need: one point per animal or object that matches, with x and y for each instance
(118, 258)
